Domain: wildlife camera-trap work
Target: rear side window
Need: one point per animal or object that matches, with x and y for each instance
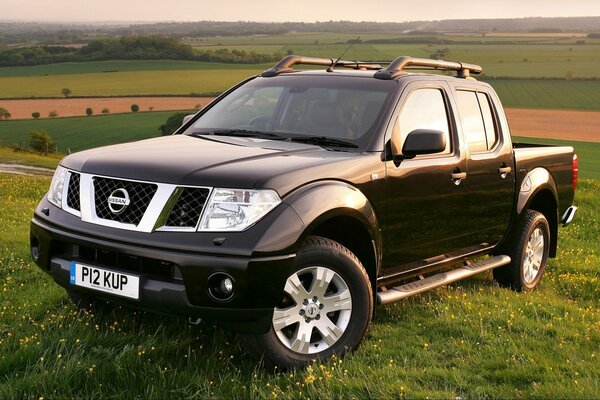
(477, 120)
(424, 109)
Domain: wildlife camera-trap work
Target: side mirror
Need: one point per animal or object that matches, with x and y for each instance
(187, 118)
(423, 141)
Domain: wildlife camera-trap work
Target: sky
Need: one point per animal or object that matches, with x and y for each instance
(296, 10)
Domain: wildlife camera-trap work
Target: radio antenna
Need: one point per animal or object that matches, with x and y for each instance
(330, 69)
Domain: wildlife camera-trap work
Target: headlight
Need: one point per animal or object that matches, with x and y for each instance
(55, 194)
(237, 209)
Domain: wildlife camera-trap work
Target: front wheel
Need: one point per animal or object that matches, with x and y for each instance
(326, 309)
(528, 249)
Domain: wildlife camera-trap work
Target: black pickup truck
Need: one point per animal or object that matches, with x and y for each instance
(298, 200)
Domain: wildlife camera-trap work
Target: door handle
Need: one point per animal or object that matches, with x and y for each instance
(504, 170)
(458, 176)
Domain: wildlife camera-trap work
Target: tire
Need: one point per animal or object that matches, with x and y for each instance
(84, 301)
(326, 276)
(528, 248)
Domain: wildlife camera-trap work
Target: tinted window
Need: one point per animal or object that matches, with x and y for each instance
(472, 122)
(477, 120)
(424, 109)
(339, 107)
(488, 120)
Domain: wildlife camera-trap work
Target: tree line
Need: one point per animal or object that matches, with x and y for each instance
(128, 48)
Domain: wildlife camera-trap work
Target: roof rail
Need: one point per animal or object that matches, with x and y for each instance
(288, 62)
(402, 63)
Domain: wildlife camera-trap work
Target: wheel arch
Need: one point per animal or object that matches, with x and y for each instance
(538, 192)
(341, 212)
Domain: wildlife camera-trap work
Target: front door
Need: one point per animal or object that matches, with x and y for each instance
(426, 207)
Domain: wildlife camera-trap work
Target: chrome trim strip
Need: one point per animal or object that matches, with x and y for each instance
(273, 258)
(65, 204)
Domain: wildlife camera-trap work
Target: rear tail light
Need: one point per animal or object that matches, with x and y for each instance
(575, 170)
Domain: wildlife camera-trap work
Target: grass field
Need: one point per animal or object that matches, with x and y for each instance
(110, 67)
(469, 340)
(531, 93)
(125, 83)
(80, 133)
(525, 56)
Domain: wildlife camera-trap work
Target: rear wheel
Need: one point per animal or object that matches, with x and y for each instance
(326, 308)
(528, 249)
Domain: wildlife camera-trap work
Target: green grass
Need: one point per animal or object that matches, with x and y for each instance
(80, 133)
(471, 339)
(126, 83)
(24, 157)
(572, 94)
(110, 67)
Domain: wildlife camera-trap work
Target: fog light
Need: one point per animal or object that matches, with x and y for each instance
(35, 248)
(221, 286)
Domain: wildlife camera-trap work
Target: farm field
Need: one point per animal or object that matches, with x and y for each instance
(471, 339)
(22, 109)
(132, 83)
(556, 124)
(80, 133)
(529, 93)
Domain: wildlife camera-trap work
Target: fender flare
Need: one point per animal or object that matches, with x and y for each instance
(320, 201)
(535, 181)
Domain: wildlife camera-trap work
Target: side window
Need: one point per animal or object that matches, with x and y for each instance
(424, 109)
(477, 120)
(488, 120)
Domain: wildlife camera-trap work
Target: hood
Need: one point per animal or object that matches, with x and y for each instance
(209, 161)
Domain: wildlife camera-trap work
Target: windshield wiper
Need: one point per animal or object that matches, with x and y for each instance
(323, 141)
(242, 133)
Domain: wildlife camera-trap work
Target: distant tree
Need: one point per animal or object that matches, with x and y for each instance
(89, 112)
(105, 110)
(35, 115)
(4, 114)
(41, 142)
(172, 123)
(290, 52)
(135, 108)
(66, 92)
(53, 114)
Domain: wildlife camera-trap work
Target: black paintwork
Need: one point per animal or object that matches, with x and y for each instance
(415, 215)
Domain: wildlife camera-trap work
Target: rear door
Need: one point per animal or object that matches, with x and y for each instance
(490, 176)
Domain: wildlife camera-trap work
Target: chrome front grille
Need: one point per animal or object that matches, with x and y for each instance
(149, 207)
(140, 195)
(186, 211)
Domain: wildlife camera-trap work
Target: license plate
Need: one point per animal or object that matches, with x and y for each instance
(104, 280)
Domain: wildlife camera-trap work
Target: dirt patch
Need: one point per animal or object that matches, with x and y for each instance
(22, 109)
(28, 170)
(555, 124)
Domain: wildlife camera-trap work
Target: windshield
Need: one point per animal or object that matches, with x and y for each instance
(345, 108)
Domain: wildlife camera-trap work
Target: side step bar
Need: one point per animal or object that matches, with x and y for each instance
(441, 279)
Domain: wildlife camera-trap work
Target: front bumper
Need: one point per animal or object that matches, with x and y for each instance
(172, 281)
